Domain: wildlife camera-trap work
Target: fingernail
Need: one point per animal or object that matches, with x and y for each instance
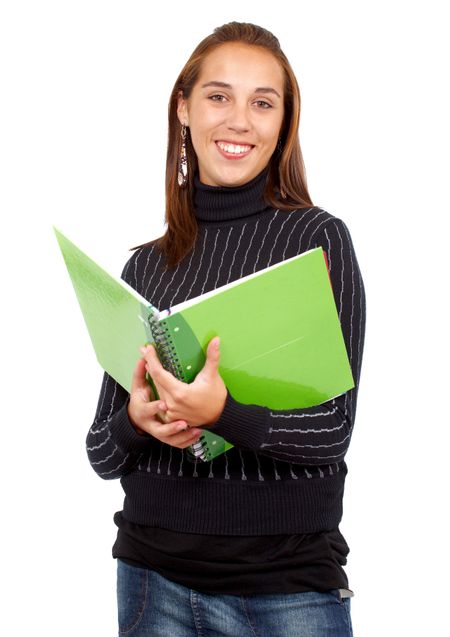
(162, 406)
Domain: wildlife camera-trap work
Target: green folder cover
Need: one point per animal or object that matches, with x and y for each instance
(281, 343)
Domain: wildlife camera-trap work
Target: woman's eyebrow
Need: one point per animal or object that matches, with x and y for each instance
(260, 89)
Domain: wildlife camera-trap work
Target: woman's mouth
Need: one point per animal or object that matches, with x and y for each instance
(233, 151)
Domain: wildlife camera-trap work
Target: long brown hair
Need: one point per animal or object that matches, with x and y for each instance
(287, 172)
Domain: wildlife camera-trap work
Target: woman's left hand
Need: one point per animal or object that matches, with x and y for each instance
(201, 402)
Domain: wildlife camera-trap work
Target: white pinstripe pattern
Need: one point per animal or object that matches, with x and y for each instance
(116, 448)
(144, 275)
(137, 255)
(308, 431)
(260, 475)
(330, 412)
(150, 460)
(243, 474)
(248, 247)
(321, 212)
(169, 283)
(309, 457)
(188, 269)
(151, 278)
(200, 264)
(216, 284)
(180, 468)
(236, 251)
(264, 239)
(211, 261)
(102, 444)
(330, 258)
(342, 277)
(299, 219)
(170, 461)
(218, 246)
(277, 475)
(297, 446)
(286, 220)
(119, 466)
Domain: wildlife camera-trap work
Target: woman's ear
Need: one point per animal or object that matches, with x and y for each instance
(182, 109)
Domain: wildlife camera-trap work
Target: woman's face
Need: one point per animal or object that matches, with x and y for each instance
(234, 113)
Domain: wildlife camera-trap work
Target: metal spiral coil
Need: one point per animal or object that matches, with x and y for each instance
(167, 354)
(200, 449)
(165, 347)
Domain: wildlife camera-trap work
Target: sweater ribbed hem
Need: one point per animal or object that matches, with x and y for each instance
(193, 505)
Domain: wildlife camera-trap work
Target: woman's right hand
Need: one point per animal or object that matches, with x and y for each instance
(143, 412)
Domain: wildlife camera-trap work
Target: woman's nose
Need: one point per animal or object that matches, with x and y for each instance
(239, 117)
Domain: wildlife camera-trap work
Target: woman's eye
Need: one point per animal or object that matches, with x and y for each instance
(264, 104)
(221, 98)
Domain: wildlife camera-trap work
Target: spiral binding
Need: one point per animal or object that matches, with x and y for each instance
(165, 347)
(200, 449)
(167, 354)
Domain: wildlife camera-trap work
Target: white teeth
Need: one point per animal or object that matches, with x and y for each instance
(231, 148)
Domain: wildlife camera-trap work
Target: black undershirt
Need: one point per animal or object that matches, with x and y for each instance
(236, 565)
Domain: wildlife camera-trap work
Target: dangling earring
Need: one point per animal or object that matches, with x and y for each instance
(182, 160)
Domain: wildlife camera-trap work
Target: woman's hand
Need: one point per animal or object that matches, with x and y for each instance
(143, 411)
(199, 403)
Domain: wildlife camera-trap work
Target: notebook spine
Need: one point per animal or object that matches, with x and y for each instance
(167, 354)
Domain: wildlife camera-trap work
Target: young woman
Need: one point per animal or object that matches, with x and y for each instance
(247, 544)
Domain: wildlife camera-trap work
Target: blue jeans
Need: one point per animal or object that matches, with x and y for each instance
(151, 606)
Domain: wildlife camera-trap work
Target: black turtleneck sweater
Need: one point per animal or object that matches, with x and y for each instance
(270, 507)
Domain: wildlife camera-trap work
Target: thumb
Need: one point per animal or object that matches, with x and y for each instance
(212, 356)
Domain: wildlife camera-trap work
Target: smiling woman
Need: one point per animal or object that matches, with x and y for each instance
(234, 132)
(248, 543)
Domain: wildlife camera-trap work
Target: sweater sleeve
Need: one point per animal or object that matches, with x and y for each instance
(321, 434)
(113, 445)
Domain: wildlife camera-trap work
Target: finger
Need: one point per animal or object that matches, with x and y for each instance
(177, 428)
(184, 443)
(184, 439)
(155, 408)
(159, 375)
(176, 434)
(138, 381)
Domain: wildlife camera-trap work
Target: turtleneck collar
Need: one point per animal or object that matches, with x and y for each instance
(224, 203)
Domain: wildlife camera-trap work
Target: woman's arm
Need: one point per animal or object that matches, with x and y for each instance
(113, 445)
(316, 435)
(127, 424)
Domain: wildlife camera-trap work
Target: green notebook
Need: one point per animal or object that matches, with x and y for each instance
(281, 344)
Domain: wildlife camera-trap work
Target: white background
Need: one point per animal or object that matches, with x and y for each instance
(84, 93)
